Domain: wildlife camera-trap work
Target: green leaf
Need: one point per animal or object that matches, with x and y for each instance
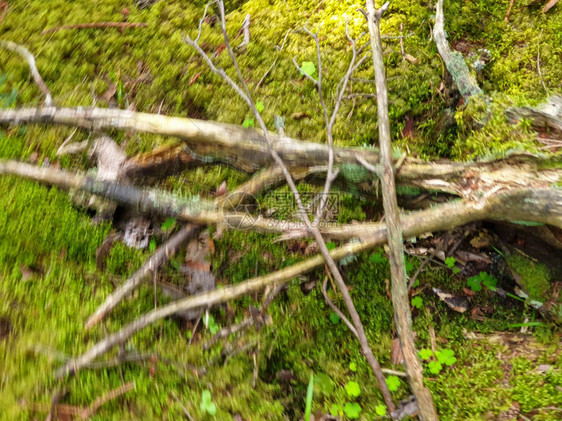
(211, 409)
(259, 106)
(330, 245)
(336, 409)
(488, 280)
(446, 356)
(352, 389)
(206, 396)
(334, 318)
(248, 122)
(308, 68)
(353, 366)
(206, 404)
(435, 367)
(152, 245)
(450, 261)
(456, 270)
(474, 283)
(168, 224)
(309, 391)
(352, 410)
(393, 383)
(380, 410)
(417, 301)
(323, 384)
(426, 354)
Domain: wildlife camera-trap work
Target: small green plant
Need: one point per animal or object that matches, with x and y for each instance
(435, 363)
(380, 410)
(248, 123)
(352, 388)
(352, 410)
(152, 245)
(393, 383)
(308, 68)
(334, 318)
(450, 263)
(259, 106)
(207, 404)
(475, 282)
(353, 366)
(309, 392)
(330, 245)
(417, 302)
(211, 324)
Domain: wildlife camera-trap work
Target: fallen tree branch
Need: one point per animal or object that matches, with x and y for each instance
(24, 52)
(400, 301)
(161, 255)
(448, 216)
(247, 150)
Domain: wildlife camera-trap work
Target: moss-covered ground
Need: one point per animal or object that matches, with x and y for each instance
(42, 315)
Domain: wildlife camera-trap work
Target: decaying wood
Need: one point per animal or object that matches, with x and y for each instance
(247, 150)
(496, 206)
(400, 300)
(454, 60)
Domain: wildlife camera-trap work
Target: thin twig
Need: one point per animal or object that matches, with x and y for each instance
(337, 310)
(24, 52)
(160, 256)
(274, 61)
(509, 10)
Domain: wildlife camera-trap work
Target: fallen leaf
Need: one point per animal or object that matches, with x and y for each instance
(458, 303)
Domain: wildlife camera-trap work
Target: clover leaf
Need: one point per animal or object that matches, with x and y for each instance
(352, 389)
(447, 357)
(393, 383)
(308, 68)
(207, 404)
(450, 262)
(380, 410)
(417, 302)
(474, 283)
(435, 367)
(352, 410)
(334, 318)
(259, 106)
(426, 354)
(353, 366)
(248, 122)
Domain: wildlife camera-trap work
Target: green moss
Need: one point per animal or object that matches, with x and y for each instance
(533, 277)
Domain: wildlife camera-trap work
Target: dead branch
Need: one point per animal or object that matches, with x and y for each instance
(454, 60)
(24, 52)
(400, 301)
(119, 25)
(160, 256)
(247, 150)
(447, 216)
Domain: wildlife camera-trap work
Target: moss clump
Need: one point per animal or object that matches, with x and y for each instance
(533, 277)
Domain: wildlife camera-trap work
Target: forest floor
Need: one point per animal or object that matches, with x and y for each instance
(484, 365)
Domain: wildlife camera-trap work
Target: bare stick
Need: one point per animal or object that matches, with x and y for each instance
(24, 52)
(400, 302)
(161, 255)
(120, 25)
